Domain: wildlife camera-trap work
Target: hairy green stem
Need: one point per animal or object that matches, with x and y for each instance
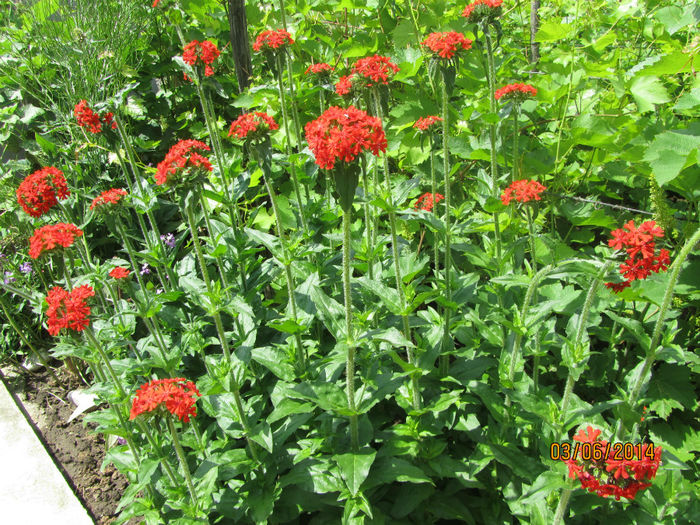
(368, 222)
(515, 172)
(183, 460)
(350, 339)
(561, 507)
(446, 336)
(433, 189)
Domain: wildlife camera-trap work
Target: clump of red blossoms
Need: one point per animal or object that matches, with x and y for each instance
(482, 10)
(445, 45)
(522, 191)
(426, 123)
(107, 198)
(68, 309)
(181, 158)
(319, 69)
(272, 40)
(52, 235)
(517, 92)
(342, 133)
(205, 51)
(176, 395)
(619, 474)
(427, 201)
(641, 250)
(119, 272)
(252, 125)
(87, 118)
(344, 85)
(376, 68)
(40, 191)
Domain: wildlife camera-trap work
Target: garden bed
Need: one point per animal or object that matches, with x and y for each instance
(76, 449)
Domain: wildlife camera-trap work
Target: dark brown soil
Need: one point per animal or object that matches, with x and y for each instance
(77, 450)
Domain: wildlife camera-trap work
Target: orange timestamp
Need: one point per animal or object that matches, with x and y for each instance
(599, 450)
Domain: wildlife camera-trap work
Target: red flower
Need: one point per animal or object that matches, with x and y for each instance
(341, 134)
(205, 52)
(87, 118)
(181, 157)
(446, 44)
(589, 435)
(176, 395)
(40, 191)
(252, 125)
(427, 201)
(640, 246)
(119, 272)
(48, 237)
(344, 85)
(525, 191)
(68, 309)
(376, 68)
(155, 3)
(111, 196)
(482, 9)
(425, 123)
(517, 92)
(319, 69)
(272, 40)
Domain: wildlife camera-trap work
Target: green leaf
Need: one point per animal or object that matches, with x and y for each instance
(671, 151)
(275, 360)
(647, 91)
(45, 144)
(674, 18)
(388, 469)
(671, 387)
(388, 296)
(288, 326)
(552, 31)
(354, 468)
(262, 435)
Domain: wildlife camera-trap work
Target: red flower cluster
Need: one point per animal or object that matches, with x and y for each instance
(376, 68)
(272, 40)
(177, 395)
(40, 191)
(48, 237)
(640, 247)
(445, 45)
(119, 272)
(87, 118)
(524, 190)
(319, 69)
(252, 125)
(205, 51)
(344, 85)
(610, 476)
(181, 156)
(342, 133)
(155, 3)
(427, 201)
(518, 92)
(425, 123)
(68, 309)
(111, 196)
(482, 9)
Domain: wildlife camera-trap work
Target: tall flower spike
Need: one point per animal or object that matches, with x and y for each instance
(271, 40)
(201, 52)
(51, 236)
(41, 191)
(522, 191)
(516, 92)
(253, 126)
(377, 69)
(482, 11)
(108, 199)
(68, 310)
(183, 163)
(448, 44)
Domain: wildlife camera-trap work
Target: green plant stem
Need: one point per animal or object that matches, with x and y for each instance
(446, 336)
(131, 253)
(295, 112)
(492, 138)
(350, 338)
(658, 327)
(283, 15)
(368, 222)
(205, 275)
(285, 119)
(570, 381)
(66, 273)
(24, 339)
(415, 392)
(515, 172)
(433, 189)
(244, 422)
(561, 507)
(531, 235)
(17, 291)
(183, 460)
(166, 466)
(264, 163)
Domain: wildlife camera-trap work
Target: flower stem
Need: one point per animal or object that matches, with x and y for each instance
(515, 172)
(660, 322)
(446, 341)
(492, 138)
(205, 275)
(561, 507)
(350, 339)
(433, 189)
(368, 222)
(183, 460)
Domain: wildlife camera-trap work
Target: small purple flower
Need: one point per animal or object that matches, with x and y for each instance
(26, 267)
(121, 441)
(9, 278)
(145, 269)
(168, 239)
(159, 291)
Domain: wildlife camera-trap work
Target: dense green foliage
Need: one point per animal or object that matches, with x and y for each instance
(613, 134)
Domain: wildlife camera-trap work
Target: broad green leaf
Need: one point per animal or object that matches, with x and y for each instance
(671, 387)
(354, 468)
(674, 18)
(262, 434)
(388, 296)
(275, 360)
(671, 151)
(388, 469)
(647, 91)
(552, 31)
